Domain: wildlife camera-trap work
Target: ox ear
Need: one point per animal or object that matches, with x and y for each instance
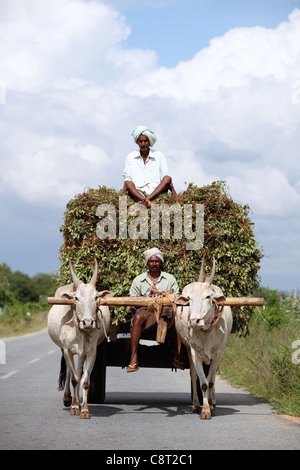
(182, 301)
(105, 294)
(219, 298)
(67, 296)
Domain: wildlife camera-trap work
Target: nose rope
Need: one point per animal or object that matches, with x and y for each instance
(78, 322)
(103, 323)
(217, 314)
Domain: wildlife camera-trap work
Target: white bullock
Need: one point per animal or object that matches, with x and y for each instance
(78, 329)
(203, 327)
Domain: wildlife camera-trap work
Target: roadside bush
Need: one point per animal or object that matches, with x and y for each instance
(19, 287)
(263, 363)
(22, 299)
(13, 313)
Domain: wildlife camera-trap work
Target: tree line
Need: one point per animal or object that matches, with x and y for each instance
(16, 286)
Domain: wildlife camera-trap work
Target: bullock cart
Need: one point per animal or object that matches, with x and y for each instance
(159, 330)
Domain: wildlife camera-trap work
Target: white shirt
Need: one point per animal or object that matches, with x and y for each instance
(142, 174)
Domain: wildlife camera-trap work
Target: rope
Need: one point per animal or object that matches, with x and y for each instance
(103, 323)
(217, 314)
(157, 303)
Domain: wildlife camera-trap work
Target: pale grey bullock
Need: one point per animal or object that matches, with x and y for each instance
(78, 329)
(203, 327)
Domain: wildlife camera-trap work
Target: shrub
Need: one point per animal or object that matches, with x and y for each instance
(262, 363)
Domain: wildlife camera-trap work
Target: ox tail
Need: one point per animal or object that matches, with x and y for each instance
(62, 374)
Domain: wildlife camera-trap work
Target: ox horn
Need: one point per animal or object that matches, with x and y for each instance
(201, 275)
(95, 274)
(73, 275)
(213, 272)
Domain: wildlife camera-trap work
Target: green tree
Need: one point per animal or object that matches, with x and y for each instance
(274, 312)
(45, 284)
(23, 288)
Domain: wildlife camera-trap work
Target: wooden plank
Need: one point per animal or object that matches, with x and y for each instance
(135, 301)
(146, 301)
(240, 301)
(60, 301)
(161, 331)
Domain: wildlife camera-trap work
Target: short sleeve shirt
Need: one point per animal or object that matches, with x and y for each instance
(141, 284)
(141, 173)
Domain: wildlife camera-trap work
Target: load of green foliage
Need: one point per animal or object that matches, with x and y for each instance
(228, 235)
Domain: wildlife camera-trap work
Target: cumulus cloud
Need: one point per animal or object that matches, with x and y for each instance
(231, 61)
(74, 92)
(41, 42)
(269, 185)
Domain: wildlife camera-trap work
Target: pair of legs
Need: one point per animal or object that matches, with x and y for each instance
(164, 186)
(138, 322)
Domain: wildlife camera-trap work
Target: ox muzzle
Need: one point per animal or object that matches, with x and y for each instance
(196, 323)
(87, 324)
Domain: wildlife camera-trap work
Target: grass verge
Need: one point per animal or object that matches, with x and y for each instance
(263, 364)
(21, 326)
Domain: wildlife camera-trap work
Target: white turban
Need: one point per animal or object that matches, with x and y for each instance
(151, 252)
(146, 132)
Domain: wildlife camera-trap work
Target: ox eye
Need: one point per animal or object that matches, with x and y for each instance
(76, 298)
(208, 296)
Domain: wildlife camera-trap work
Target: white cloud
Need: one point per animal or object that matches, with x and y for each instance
(42, 41)
(74, 93)
(267, 191)
(230, 62)
(54, 170)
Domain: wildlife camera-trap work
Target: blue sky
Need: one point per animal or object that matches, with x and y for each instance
(178, 29)
(218, 81)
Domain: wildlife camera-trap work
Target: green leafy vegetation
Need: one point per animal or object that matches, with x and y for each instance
(228, 235)
(267, 361)
(23, 300)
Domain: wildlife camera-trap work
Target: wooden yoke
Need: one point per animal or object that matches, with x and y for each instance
(148, 301)
(159, 304)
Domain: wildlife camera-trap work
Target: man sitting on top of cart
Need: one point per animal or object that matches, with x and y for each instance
(146, 173)
(153, 279)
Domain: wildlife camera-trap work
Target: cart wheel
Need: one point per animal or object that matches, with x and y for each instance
(96, 392)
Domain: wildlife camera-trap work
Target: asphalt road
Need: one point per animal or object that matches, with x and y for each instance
(149, 409)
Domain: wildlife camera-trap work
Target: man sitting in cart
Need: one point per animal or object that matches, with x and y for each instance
(153, 280)
(146, 173)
